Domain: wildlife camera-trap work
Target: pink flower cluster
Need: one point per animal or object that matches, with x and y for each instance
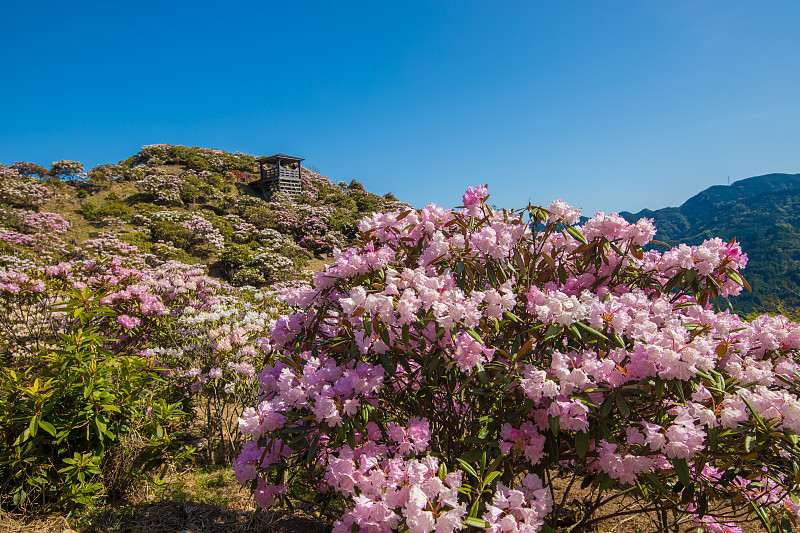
(605, 359)
(45, 222)
(21, 191)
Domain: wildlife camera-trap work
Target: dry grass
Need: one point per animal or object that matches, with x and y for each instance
(11, 523)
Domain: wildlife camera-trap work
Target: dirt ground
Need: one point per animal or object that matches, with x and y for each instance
(212, 502)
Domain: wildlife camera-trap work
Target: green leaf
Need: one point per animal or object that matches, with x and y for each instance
(384, 334)
(491, 477)
(755, 413)
(388, 363)
(762, 515)
(554, 425)
(581, 443)
(472, 456)
(605, 409)
(654, 481)
(481, 375)
(606, 482)
(474, 334)
(683, 471)
(48, 427)
(576, 234)
(750, 441)
(476, 522)
(591, 330)
(618, 340)
(622, 405)
(467, 468)
(702, 505)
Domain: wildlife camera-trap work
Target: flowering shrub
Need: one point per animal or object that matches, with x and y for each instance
(45, 222)
(471, 367)
(66, 168)
(21, 191)
(30, 169)
(164, 188)
(272, 265)
(202, 159)
(204, 231)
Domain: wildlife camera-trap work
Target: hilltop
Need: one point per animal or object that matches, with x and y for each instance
(194, 205)
(204, 206)
(763, 214)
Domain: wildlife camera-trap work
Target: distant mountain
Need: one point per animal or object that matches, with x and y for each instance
(763, 214)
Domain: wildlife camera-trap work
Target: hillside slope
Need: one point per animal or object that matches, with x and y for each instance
(194, 205)
(763, 213)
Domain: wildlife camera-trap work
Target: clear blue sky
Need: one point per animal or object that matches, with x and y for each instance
(612, 105)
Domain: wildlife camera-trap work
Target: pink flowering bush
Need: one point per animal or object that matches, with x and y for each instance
(164, 189)
(66, 168)
(473, 367)
(21, 191)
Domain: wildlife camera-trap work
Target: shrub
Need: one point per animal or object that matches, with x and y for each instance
(137, 239)
(66, 169)
(164, 189)
(271, 265)
(235, 256)
(61, 419)
(21, 191)
(458, 368)
(30, 169)
(89, 211)
(173, 232)
(366, 202)
(113, 209)
(248, 276)
(198, 163)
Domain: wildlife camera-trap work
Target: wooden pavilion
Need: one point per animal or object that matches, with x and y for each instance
(280, 173)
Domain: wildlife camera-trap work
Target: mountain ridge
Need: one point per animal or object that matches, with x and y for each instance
(763, 214)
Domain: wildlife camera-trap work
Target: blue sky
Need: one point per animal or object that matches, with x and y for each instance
(609, 105)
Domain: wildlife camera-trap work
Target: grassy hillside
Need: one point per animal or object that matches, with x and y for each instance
(197, 205)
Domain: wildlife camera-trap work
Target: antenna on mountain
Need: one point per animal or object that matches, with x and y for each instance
(729, 180)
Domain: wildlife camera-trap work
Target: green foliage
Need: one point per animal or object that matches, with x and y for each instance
(355, 185)
(345, 223)
(59, 420)
(248, 276)
(173, 232)
(192, 157)
(66, 168)
(198, 163)
(113, 209)
(260, 217)
(235, 256)
(366, 202)
(89, 211)
(145, 208)
(137, 239)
